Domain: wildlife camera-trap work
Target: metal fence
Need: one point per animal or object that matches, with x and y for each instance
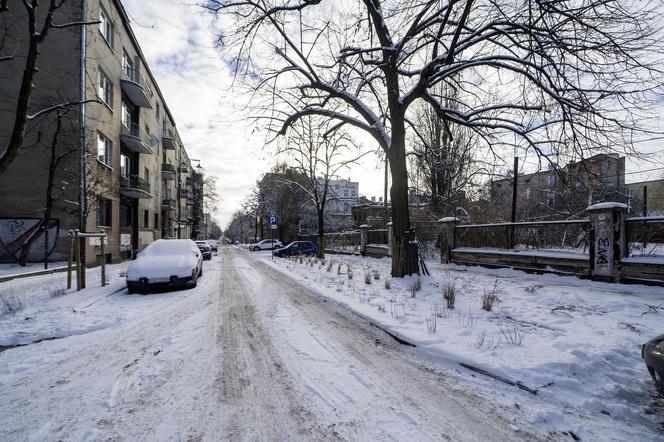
(645, 236)
(377, 236)
(344, 242)
(567, 235)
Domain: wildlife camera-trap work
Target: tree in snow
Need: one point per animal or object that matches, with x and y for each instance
(319, 150)
(555, 75)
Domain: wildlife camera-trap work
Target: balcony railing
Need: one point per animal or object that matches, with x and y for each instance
(168, 172)
(184, 194)
(184, 168)
(136, 88)
(136, 139)
(168, 139)
(135, 186)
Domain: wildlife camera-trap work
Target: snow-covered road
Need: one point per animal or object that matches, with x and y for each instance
(247, 355)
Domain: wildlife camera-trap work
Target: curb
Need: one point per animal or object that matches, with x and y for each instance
(35, 273)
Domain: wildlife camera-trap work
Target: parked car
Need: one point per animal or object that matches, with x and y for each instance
(205, 249)
(266, 244)
(165, 264)
(653, 354)
(297, 248)
(214, 244)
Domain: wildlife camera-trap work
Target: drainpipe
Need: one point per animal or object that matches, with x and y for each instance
(82, 150)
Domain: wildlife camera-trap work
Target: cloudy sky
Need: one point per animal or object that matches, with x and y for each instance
(211, 115)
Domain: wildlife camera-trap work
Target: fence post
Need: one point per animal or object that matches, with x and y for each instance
(77, 244)
(447, 239)
(364, 238)
(390, 232)
(607, 226)
(70, 258)
(103, 258)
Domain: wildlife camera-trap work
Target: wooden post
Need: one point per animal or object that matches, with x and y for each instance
(515, 182)
(645, 213)
(447, 244)
(78, 260)
(103, 259)
(364, 238)
(70, 258)
(390, 233)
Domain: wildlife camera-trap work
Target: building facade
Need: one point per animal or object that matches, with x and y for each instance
(124, 167)
(558, 193)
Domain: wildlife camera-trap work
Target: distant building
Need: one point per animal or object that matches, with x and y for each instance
(654, 194)
(565, 191)
(342, 196)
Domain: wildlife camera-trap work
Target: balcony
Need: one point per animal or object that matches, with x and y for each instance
(184, 168)
(168, 140)
(133, 186)
(168, 172)
(136, 139)
(134, 85)
(184, 193)
(167, 204)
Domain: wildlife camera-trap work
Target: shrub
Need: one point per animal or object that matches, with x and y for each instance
(329, 266)
(376, 274)
(388, 282)
(449, 294)
(10, 304)
(417, 284)
(431, 321)
(490, 297)
(57, 292)
(381, 308)
(367, 278)
(350, 274)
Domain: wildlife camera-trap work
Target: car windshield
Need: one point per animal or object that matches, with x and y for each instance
(168, 247)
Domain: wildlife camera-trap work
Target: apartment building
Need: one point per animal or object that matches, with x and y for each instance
(565, 191)
(124, 167)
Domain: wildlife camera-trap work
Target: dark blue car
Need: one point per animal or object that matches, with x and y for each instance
(296, 248)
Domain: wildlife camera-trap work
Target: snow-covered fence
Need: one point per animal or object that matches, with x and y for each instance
(337, 242)
(606, 246)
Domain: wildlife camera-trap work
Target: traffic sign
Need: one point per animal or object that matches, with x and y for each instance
(272, 220)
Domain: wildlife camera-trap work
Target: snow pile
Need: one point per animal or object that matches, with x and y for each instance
(576, 342)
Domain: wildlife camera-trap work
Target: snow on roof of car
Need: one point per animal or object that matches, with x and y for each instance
(168, 247)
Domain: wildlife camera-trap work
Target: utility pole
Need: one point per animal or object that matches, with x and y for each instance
(387, 214)
(515, 180)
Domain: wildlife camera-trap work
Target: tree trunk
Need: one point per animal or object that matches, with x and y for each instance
(320, 250)
(399, 196)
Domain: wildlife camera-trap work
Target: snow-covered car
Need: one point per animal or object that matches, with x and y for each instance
(653, 354)
(266, 244)
(297, 248)
(214, 244)
(205, 249)
(165, 264)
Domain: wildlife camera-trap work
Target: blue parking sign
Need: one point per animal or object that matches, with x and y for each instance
(272, 220)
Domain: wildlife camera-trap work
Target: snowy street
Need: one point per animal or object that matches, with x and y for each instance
(247, 355)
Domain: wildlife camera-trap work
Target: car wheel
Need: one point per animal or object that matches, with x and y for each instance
(130, 291)
(200, 272)
(256, 249)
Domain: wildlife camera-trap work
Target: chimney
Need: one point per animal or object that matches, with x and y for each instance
(373, 199)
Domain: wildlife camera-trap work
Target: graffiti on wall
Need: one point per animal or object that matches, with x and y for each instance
(16, 233)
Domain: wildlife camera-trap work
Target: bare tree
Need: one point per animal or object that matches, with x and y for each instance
(319, 150)
(38, 31)
(554, 75)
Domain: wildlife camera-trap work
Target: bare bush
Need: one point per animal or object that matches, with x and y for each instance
(449, 293)
(468, 320)
(376, 275)
(397, 310)
(382, 308)
(339, 269)
(329, 266)
(56, 292)
(490, 297)
(440, 311)
(367, 278)
(10, 304)
(431, 321)
(350, 274)
(510, 333)
(388, 282)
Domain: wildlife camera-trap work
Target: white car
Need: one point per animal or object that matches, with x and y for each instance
(266, 244)
(165, 264)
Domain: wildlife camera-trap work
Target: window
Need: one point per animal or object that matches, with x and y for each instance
(526, 193)
(550, 199)
(105, 26)
(156, 220)
(125, 215)
(128, 66)
(146, 174)
(104, 212)
(158, 112)
(126, 115)
(105, 89)
(104, 150)
(146, 219)
(550, 180)
(125, 165)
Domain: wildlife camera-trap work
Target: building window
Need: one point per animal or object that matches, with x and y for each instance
(158, 112)
(146, 175)
(105, 89)
(526, 193)
(125, 165)
(550, 180)
(125, 215)
(104, 212)
(146, 219)
(128, 67)
(126, 115)
(156, 220)
(104, 150)
(550, 199)
(105, 26)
